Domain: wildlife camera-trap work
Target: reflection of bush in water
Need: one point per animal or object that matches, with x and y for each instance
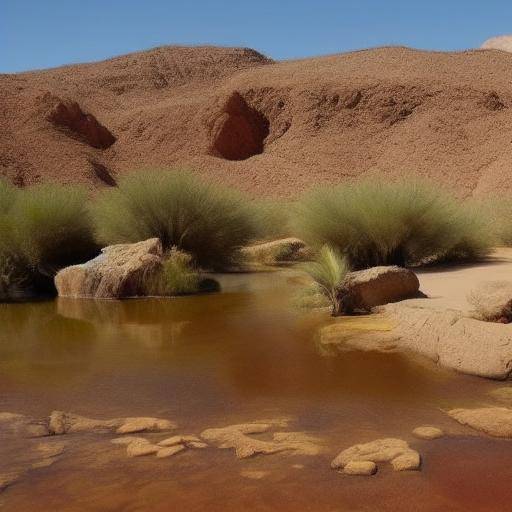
(36, 341)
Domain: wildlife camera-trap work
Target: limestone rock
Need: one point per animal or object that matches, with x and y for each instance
(407, 462)
(174, 440)
(492, 301)
(453, 340)
(119, 271)
(495, 421)
(133, 425)
(64, 423)
(238, 437)
(360, 467)
(396, 451)
(169, 451)
(365, 289)
(428, 432)
(140, 448)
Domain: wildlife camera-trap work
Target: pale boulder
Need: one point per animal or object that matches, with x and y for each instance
(428, 432)
(360, 467)
(120, 271)
(365, 289)
(495, 421)
(395, 451)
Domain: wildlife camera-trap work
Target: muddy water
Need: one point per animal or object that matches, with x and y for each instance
(215, 360)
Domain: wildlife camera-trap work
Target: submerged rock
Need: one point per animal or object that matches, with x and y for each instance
(65, 423)
(363, 290)
(452, 339)
(120, 271)
(428, 432)
(503, 394)
(253, 474)
(140, 448)
(238, 438)
(492, 301)
(395, 451)
(495, 421)
(170, 451)
(23, 425)
(174, 440)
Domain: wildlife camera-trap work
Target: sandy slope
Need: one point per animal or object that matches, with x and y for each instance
(265, 127)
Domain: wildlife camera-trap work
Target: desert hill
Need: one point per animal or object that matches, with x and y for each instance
(270, 128)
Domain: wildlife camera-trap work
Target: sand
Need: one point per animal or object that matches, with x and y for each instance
(268, 128)
(448, 287)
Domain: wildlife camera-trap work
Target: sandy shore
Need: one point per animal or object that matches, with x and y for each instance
(448, 287)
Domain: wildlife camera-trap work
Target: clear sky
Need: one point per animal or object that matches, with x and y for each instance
(46, 33)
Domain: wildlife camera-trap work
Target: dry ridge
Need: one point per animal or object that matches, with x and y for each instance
(269, 128)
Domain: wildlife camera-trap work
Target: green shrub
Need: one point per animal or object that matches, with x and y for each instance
(42, 229)
(328, 271)
(179, 277)
(273, 219)
(52, 227)
(209, 222)
(383, 224)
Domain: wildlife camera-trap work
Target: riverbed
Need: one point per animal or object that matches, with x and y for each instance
(243, 355)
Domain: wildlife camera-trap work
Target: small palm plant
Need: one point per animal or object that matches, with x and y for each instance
(328, 271)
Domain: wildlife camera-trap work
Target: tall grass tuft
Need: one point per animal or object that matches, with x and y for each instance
(328, 271)
(209, 222)
(391, 224)
(42, 229)
(52, 227)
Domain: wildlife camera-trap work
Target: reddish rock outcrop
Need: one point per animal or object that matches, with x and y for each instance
(69, 115)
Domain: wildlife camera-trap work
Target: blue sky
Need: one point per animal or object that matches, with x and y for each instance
(46, 33)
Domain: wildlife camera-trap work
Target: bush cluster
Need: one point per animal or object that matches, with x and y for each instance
(392, 224)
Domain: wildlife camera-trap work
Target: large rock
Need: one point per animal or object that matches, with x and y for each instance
(395, 451)
(238, 437)
(495, 421)
(119, 271)
(503, 43)
(65, 423)
(452, 339)
(365, 289)
(492, 301)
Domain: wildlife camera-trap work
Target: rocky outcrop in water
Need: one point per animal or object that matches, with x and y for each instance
(122, 270)
(452, 339)
(495, 421)
(395, 451)
(238, 438)
(68, 423)
(428, 433)
(363, 290)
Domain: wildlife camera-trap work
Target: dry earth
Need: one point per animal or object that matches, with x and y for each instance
(269, 128)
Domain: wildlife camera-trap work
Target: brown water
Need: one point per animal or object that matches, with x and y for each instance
(215, 360)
